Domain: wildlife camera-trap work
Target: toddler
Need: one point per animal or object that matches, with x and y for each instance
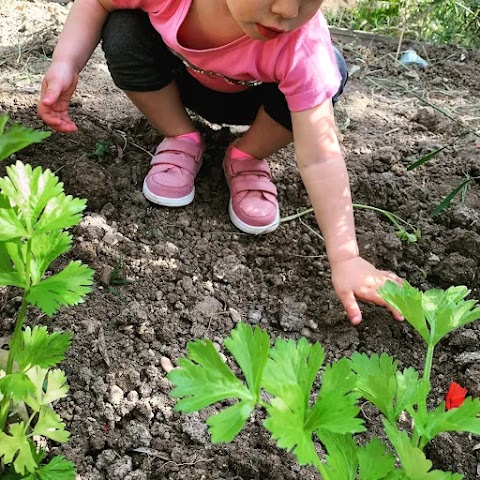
(269, 64)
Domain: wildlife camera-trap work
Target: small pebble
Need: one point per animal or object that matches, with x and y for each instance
(236, 317)
(166, 364)
(106, 275)
(116, 395)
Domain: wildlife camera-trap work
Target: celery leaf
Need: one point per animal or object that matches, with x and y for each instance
(12, 266)
(53, 389)
(336, 407)
(446, 310)
(62, 211)
(335, 412)
(408, 391)
(289, 376)
(250, 349)
(13, 255)
(10, 225)
(46, 247)
(226, 424)
(65, 288)
(376, 380)
(50, 425)
(286, 423)
(342, 459)
(441, 310)
(375, 463)
(17, 137)
(293, 364)
(409, 302)
(39, 348)
(57, 387)
(16, 445)
(203, 379)
(57, 469)
(338, 377)
(17, 386)
(465, 418)
(29, 190)
(414, 463)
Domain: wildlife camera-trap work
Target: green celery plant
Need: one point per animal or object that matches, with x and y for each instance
(280, 379)
(34, 216)
(287, 371)
(434, 314)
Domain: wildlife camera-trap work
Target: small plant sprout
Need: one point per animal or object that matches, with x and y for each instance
(34, 216)
(280, 379)
(403, 230)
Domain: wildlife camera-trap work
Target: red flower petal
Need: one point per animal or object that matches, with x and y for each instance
(455, 396)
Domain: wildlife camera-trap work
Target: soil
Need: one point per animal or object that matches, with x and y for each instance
(192, 275)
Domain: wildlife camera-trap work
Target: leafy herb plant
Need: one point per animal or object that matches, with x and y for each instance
(34, 216)
(280, 379)
(433, 314)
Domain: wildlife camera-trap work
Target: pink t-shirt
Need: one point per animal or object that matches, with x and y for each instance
(302, 62)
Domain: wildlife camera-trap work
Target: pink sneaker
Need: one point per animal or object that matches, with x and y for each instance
(253, 206)
(171, 180)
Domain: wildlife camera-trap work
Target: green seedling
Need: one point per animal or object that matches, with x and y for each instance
(280, 380)
(460, 189)
(35, 215)
(403, 230)
(116, 280)
(101, 149)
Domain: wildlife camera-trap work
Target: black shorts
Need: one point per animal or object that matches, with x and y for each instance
(139, 61)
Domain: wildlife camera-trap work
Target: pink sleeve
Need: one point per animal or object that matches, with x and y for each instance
(307, 71)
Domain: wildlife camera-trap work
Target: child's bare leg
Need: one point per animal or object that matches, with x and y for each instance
(264, 137)
(164, 109)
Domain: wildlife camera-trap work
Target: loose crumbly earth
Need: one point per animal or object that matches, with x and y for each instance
(192, 275)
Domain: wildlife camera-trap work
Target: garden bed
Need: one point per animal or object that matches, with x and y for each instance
(189, 274)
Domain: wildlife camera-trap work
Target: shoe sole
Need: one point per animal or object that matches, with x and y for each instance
(167, 201)
(251, 229)
(245, 227)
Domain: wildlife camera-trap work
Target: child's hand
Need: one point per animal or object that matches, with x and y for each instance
(57, 89)
(357, 279)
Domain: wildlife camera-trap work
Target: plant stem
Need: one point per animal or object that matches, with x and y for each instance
(428, 364)
(18, 328)
(321, 469)
(424, 388)
(5, 404)
(395, 219)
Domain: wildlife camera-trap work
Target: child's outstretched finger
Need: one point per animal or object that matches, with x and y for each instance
(351, 306)
(393, 277)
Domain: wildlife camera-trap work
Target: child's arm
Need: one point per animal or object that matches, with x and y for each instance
(76, 44)
(325, 177)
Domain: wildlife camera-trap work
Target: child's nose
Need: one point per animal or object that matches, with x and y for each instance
(286, 8)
